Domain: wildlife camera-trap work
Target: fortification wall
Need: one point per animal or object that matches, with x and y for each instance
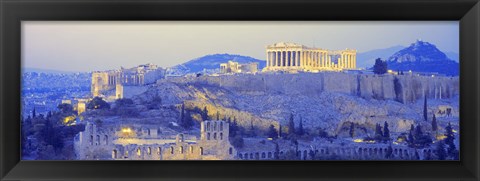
(409, 87)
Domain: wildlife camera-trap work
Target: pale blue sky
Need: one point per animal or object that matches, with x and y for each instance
(87, 46)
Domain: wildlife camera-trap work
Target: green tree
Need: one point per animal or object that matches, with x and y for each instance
(380, 66)
(272, 132)
(97, 103)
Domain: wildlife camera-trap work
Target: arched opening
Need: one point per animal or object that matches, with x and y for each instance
(208, 126)
(172, 150)
(208, 136)
(257, 155)
(221, 136)
(139, 152)
(181, 149)
(269, 154)
(246, 156)
(263, 155)
(201, 150)
(230, 150)
(126, 154)
(215, 126)
(191, 149)
(215, 136)
(91, 140)
(221, 126)
(106, 140)
(251, 155)
(114, 154)
(159, 150)
(159, 132)
(149, 151)
(98, 140)
(240, 156)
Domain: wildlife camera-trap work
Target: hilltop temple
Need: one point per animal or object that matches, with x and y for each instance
(295, 57)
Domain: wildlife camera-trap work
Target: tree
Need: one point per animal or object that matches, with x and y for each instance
(449, 140)
(182, 114)
(187, 121)
(434, 125)
(380, 66)
(352, 130)
(97, 103)
(205, 113)
(411, 139)
(386, 131)
(418, 132)
(440, 151)
(300, 131)
(378, 132)
(125, 107)
(272, 132)
(425, 116)
(291, 126)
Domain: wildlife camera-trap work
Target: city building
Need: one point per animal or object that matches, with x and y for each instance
(295, 57)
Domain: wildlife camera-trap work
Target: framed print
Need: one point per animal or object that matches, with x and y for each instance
(176, 90)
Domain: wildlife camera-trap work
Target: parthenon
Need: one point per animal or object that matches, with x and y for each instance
(285, 56)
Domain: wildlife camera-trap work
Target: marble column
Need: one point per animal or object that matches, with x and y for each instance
(290, 59)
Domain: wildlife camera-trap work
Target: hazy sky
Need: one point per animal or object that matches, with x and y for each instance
(87, 46)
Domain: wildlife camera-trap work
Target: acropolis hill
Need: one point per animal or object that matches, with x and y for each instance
(326, 99)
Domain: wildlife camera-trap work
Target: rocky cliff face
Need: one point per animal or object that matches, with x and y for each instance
(324, 100)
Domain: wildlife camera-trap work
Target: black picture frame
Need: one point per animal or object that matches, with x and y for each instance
(12, 12)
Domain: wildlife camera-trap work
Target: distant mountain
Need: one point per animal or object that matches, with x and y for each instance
(423, 57)
(367, 59)
(211, 62)
(452, 55)
(48, 71)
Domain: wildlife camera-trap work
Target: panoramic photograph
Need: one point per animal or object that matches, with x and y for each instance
(240, 90)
